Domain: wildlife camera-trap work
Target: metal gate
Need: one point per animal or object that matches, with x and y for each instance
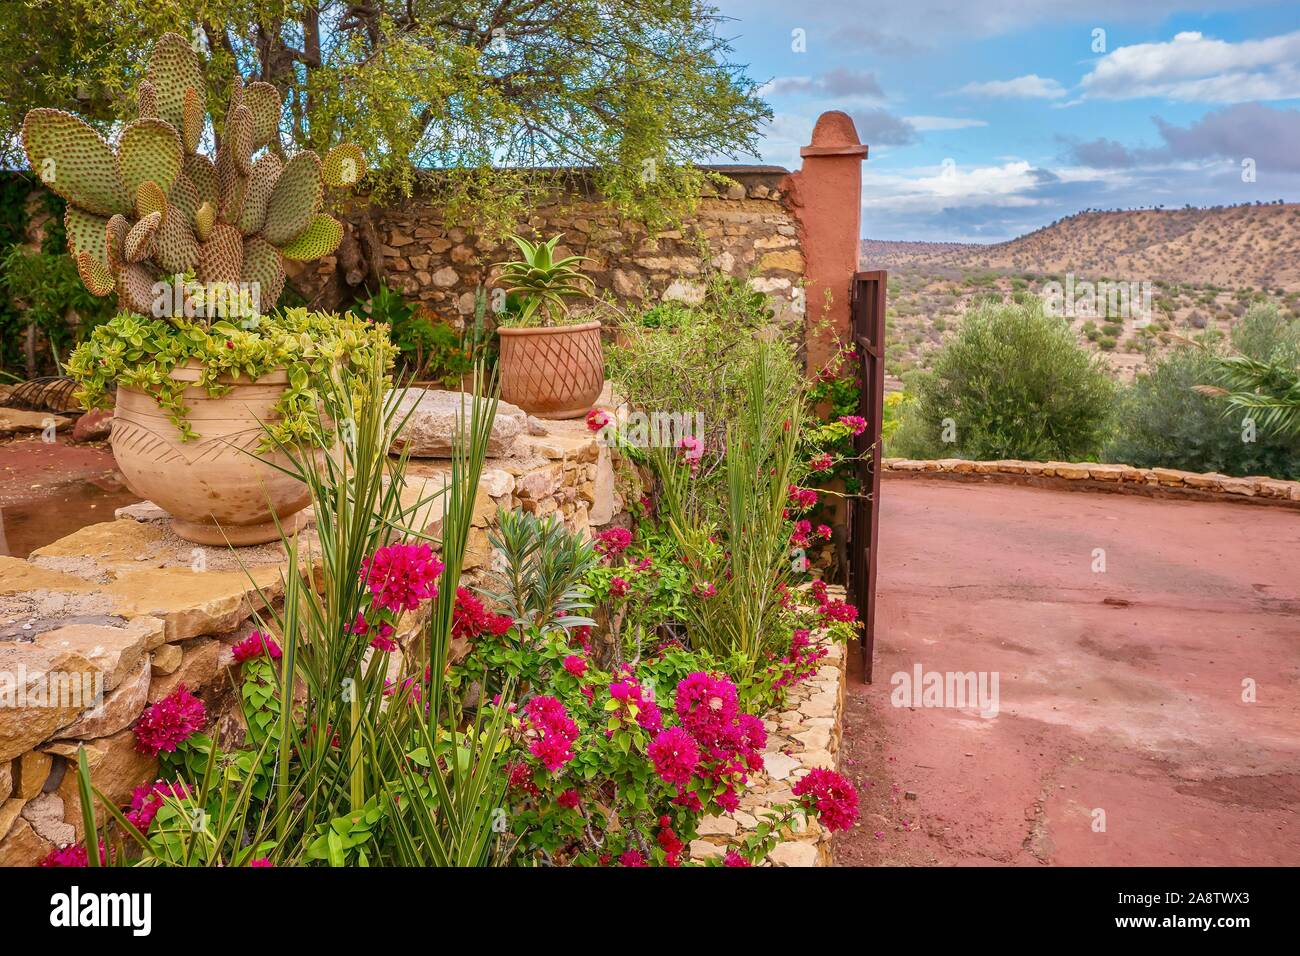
(867, 316)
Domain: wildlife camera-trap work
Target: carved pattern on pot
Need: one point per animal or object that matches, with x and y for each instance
(217, 489)
(552, 372)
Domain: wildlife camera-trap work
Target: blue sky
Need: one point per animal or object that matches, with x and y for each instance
(990, 118)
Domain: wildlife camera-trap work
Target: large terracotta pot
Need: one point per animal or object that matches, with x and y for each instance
(215, 488)
(552, 372)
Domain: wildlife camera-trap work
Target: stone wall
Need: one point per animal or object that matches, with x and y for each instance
(134, 607)
(746, 229)
(1092, 476)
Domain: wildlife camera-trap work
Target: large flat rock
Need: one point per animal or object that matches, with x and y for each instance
(430, 423)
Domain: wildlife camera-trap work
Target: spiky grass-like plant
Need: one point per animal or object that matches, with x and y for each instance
(1269, 390)
(747, 569)
(338, 771)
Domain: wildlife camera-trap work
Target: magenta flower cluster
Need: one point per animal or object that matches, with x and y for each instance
(170, 722)
(552, 732)
(830, 796)
(401, 576)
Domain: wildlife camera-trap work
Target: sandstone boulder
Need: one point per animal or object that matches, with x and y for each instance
(431, 424)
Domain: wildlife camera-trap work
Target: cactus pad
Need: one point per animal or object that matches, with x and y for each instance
(239, 135)
(94, 274)
(149, 149)
(138, 288)
(115, 242)
(262, 266)
(344, 166)
(74, 161)
(146, 101)
(199, 170)
(320, 238)
(205, 218)
(263, 100)
(193, 116)
(221, 258)
(295, 199)
(149, 197)
(260, 184)
(139, 241)
(175, 247)
(85, 233)
(173, 68)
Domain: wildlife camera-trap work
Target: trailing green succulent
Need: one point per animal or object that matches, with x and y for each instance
(540, 283)
(141, 352)
(152, 207)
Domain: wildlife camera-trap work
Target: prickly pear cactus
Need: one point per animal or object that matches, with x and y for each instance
(151, 211)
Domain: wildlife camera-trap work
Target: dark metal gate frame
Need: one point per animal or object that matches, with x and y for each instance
(867, 318)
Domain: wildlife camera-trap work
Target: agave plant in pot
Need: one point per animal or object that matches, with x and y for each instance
(210, 388)
(551, 364)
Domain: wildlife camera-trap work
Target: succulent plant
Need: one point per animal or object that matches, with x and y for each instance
(152, 207)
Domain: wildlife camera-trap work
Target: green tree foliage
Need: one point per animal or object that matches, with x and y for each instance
(1013, 383)
(1169, 417)
(637, 90)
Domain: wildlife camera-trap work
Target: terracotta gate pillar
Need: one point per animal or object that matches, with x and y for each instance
(826, 198)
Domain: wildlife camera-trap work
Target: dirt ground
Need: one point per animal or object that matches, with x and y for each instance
(1121, 736)
(48, 490)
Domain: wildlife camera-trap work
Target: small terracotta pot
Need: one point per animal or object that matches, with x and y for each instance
(552, 372)
(217, 488)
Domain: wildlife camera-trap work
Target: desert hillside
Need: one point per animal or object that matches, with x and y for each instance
(1236, 247)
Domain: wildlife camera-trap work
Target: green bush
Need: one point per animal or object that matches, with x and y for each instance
(1163, 422)
(1013, 383)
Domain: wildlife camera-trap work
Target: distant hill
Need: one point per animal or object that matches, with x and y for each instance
(1234, 247)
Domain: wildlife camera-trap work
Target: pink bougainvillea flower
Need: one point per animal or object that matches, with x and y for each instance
(631, 858)
(618, 587)
(821, 462)
(824, 532)
(170, 722)
(704, 590)
(552, 731)
(838, 610)
(261, 861)
(383, 641)
(147, 800)
(575, 665)
(255, 645)
(635, 703)
(802, 498)
(613, 542)
(855, 423)
(598, 418)
(569, 799)
(692, 449)
(830, 796)
(674, 754)
(733, 858)
(401, 576)
(73, 855)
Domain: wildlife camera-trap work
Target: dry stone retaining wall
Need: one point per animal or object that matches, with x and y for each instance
(1091, 476)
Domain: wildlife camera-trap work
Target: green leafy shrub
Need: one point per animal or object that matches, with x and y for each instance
(429, 348)
(1013, 383)
(688, 359)
(1163, 421)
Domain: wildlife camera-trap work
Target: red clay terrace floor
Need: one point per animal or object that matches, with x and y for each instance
(1120, 691)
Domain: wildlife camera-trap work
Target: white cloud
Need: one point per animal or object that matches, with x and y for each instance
(1030, 86)
(925, 123)
(1195, 68)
